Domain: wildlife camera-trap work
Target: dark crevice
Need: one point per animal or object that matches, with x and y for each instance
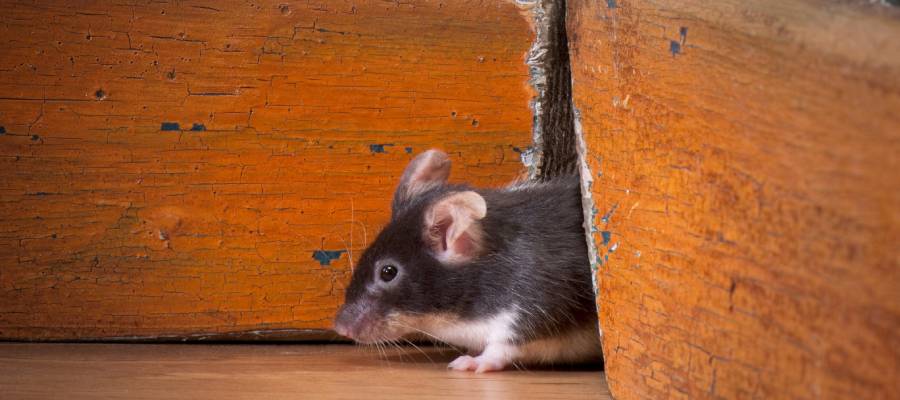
(287, 335)
(559, 155)
(555, 151)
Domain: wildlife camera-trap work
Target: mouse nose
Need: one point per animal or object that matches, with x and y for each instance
(341, 330)
(343, 322)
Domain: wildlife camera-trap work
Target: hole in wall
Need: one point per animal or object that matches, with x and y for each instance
(558, 145)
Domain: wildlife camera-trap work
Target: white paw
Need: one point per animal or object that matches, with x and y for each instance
(478, 364)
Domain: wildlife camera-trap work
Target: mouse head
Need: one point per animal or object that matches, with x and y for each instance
(407, 272)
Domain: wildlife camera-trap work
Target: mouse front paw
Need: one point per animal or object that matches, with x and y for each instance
(478, 364)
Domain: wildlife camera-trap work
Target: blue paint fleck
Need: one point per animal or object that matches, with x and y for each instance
(325, 257)
(594, 212)
(408, 150)
(607, 236)
(169, 126)
(674, 47)
(379, 148)
(198, 127)
(2, 130)
(683, 33)
(611, 3)
(605, 217)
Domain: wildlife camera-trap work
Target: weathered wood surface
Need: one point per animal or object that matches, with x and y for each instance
(747, 196)
(170, 168)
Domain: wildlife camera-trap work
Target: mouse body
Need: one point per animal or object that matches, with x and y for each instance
(503, 273)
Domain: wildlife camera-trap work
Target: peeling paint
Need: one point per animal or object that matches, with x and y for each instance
(198, 127)
(538, 72)
(552, 152)
(674, 47)
(587, 203)
(408, 150)
(606, 236)
(325, 257)
(217, 216)
(379, 147)
(605, 218)
(529, 157)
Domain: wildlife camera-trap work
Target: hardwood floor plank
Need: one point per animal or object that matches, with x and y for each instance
(283, 371)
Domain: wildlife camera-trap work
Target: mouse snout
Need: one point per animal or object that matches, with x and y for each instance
(341, 323)
(349, 320)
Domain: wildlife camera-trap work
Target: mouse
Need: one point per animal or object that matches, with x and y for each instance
(501, 273)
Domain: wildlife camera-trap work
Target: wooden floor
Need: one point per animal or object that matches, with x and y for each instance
(278, 371)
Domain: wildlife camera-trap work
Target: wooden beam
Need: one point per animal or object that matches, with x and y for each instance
(202, 168)
(744, 159)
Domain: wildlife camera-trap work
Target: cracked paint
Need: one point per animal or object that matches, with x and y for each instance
(163, 230)
(725, 271)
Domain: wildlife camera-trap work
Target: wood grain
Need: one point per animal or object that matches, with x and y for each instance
(183, 167)
(94, 371)
(747, 200)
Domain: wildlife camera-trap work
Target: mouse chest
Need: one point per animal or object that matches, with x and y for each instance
(473, 334)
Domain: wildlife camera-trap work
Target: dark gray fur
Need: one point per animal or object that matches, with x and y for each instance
(535, 256)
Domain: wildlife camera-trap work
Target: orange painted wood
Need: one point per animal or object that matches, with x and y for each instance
(744, 159)
(176, 168)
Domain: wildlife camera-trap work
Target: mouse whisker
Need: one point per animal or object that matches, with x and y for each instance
(417, 348)
(430, 336)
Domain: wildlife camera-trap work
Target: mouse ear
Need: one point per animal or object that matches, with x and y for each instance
(428, 170)
(452, 229)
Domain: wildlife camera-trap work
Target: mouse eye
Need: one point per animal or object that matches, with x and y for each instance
(388, 273)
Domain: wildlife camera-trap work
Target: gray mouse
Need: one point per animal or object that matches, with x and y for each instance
(503, 273)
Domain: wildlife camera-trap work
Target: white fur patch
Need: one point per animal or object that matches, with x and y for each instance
(491, 337)
(475, 335)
